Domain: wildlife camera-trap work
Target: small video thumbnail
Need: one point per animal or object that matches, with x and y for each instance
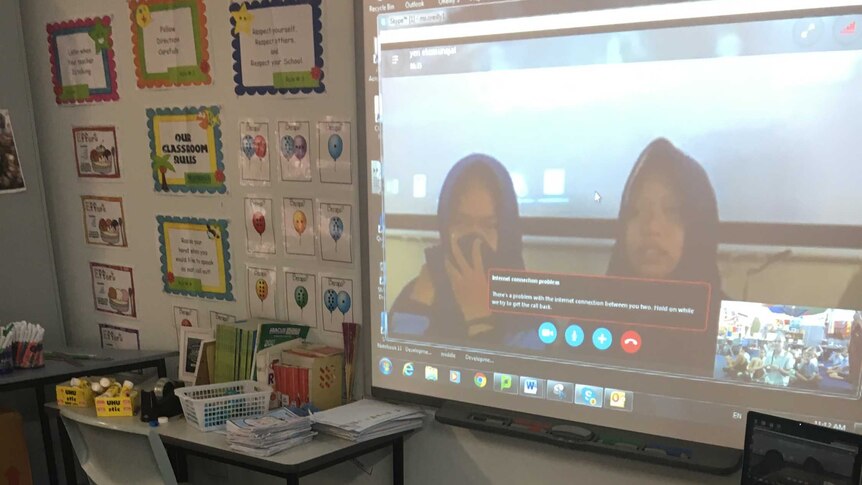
(789, 346)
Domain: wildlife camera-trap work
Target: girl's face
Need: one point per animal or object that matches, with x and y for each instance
(475, 213)
(655, 236)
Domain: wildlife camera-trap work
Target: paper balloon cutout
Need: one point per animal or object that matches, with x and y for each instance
(336, 146)
(262, 289)
(336, 229)
(300, 223)
(247, 146)
(300, 296)
(330, 301)
(260, 146)
(300, 145)
(287, 146)
(343, 302)
(258, 220)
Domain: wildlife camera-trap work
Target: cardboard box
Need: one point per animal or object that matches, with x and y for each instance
(14, 460)
(325, 365)
(67, 395)
(118, 406)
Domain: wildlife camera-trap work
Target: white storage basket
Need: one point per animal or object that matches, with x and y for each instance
(209, 407)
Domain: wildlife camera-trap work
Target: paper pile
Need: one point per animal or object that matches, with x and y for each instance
(269, 434)
(367, 419)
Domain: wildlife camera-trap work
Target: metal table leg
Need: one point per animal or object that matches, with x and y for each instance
(47, 440)
(398, 461)
(70, 468)
(161, 368)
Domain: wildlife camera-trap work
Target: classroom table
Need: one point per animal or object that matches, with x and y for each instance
(324, 451)
(57, 371)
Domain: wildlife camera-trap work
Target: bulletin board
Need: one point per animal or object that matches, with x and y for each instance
(244, 158)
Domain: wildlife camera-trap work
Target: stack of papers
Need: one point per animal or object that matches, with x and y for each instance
(367, 419)
(269, 434)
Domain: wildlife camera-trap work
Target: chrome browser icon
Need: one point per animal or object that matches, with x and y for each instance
(480, 380)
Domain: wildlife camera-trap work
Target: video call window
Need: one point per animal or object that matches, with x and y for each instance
(667, 201)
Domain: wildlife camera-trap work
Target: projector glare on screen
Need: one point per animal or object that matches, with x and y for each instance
(647, 218)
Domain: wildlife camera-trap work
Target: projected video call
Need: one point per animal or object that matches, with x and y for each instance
(627, 202)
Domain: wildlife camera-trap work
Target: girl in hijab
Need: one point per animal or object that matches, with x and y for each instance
(668, 230)
(479, 226)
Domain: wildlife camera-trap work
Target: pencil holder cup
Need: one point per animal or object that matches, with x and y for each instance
(7, 360)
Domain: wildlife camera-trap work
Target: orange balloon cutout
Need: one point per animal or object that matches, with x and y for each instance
(300, 223)
(262, 290)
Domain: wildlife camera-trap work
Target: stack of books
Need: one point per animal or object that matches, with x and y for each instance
(367, 419)
(267, 435)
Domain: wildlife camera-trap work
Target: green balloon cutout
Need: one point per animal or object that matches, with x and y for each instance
(300, 295)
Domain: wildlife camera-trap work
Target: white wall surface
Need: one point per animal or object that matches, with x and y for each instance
(141, 203)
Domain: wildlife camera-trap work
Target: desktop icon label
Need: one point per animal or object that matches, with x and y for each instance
(455, 376)
(385, 366)
(430, 373)
(589, 395)
(480, 380)
(503, 383)
(408, 369)
(532, 387)
(560, 391)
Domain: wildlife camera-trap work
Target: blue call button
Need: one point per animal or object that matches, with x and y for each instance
(547, 333)
(574, 335)
(602, 338)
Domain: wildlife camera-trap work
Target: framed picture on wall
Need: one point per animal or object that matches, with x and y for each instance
(113, 289)
(104, 221)
(195, 257)
(83, 69)
(186, 149)
(191, 342)
(96, 153)
(169, 42)
(277, 46)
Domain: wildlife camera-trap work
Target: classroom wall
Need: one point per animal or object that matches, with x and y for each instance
(438, 454)
(155, 319)
(29, 285)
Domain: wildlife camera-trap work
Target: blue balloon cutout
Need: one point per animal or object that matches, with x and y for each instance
(343, 302)
(287, 146)
(330, 300)
(248, 146)
(336, 146)
(336, 228)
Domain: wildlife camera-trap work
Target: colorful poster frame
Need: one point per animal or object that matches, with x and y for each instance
(179, 75)
(99, 30)
(206, 118)
(212, 230)
(287, 82)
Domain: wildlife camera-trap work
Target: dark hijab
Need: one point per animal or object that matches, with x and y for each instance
(444, 317)
(473, 171)
(699, 212)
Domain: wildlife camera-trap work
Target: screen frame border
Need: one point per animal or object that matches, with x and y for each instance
(365, 194)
